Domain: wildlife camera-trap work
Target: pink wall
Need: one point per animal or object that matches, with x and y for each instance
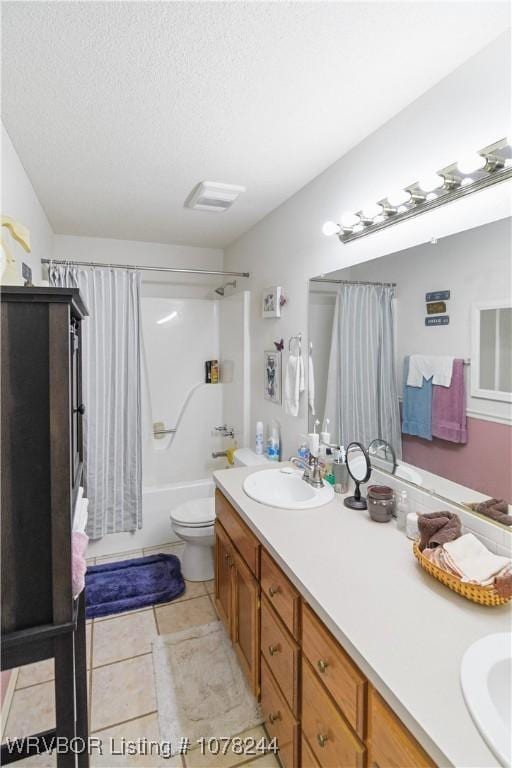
(484, 463)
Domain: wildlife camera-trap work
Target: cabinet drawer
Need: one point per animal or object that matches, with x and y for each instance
(390, 745)
(281, 653)
(331, 739)
(243, 539)
(279, 721)
(308, 759)
(282, 594)
(335, 669)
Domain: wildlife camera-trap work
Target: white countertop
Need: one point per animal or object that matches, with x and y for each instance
(406, 631)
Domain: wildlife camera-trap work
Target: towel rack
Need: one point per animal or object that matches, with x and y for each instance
(298, 339)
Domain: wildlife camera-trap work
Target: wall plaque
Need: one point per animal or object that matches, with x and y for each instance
(436, 307)
(437, 296)
(441, 320)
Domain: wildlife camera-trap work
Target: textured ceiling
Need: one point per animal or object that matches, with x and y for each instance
(118, 109)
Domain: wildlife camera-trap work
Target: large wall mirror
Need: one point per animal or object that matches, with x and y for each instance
(415, 349)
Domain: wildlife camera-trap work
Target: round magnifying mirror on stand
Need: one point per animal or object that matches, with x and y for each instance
(382, 456)
(359, 469)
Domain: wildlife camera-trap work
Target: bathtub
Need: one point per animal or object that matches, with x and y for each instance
(157, 503)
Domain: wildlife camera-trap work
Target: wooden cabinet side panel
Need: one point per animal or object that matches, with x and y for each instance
(390, 744)
(246, 622)
(223, 578)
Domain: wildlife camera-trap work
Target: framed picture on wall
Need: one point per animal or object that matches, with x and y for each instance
(272, 375)
(271, 304)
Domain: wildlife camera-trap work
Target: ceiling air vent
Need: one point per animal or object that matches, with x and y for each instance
(213, 196)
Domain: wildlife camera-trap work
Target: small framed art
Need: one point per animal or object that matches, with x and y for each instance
(271, 304)
(272, 375)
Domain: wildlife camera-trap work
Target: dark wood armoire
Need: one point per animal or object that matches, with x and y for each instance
(41, 472)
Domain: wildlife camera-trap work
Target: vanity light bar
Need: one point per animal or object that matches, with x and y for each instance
(489, 166)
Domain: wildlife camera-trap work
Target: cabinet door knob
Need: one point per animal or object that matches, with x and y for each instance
(80, 409)
(322, 665)
(274, 591)
(226, 556)
(274, 716)
(322, 739)
(273, 649)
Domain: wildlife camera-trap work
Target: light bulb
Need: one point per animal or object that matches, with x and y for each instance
(371, 210)
(399, 197)
(431, 182)
(330, 228)
(350, 219)
(471, 163)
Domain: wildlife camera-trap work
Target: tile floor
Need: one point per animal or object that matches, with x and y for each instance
(122, 700)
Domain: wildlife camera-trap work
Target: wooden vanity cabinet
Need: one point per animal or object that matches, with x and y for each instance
(390, 745)
(316, 702)
(246, 621)
(223, 577)
(237, 592)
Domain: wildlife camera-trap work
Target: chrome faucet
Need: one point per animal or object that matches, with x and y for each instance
(312, 474)
(225, 430)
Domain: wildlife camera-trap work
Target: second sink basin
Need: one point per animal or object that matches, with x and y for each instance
(486, 679)
(286, 489)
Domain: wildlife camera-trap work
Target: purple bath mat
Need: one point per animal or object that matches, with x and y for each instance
(130, 584)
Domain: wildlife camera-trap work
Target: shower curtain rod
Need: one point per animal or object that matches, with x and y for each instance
(178, 270)
(350, 282)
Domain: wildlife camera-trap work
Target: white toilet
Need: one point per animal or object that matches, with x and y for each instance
(193, 522)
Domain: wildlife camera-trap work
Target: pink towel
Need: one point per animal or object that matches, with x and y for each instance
(79, 543)
(449, 408)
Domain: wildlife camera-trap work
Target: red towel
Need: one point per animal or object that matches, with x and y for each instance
(449, 408)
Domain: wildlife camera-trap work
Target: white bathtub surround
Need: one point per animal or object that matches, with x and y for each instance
(406, 631)
(112, 395)
(174, 392)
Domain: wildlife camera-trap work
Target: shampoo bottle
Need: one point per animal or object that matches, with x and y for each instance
(259, 438)
(273, 442)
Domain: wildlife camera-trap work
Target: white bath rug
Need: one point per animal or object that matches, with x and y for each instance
(201, 689)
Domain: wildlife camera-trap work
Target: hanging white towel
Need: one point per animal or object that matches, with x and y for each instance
(294, 384)
(311, 385)
(436, 367)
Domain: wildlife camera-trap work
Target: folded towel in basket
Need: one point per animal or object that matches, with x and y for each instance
(437, 528)
(473, 562)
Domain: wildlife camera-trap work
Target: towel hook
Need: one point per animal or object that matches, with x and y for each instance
(298, 339)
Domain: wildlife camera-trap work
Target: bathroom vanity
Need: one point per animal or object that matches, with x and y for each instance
(353, 651)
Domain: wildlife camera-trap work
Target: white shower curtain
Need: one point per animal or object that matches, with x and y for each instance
(111, 393)
(362, 396)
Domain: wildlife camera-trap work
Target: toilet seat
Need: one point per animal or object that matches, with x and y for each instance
(197, 513)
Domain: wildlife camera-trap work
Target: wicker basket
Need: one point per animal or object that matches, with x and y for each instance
(481, 595)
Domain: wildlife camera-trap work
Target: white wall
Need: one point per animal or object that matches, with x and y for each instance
(465, 111)
(110, 251)
(20, 202)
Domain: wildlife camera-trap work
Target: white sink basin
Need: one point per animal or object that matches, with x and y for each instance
(486, 679)
(286, 489)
